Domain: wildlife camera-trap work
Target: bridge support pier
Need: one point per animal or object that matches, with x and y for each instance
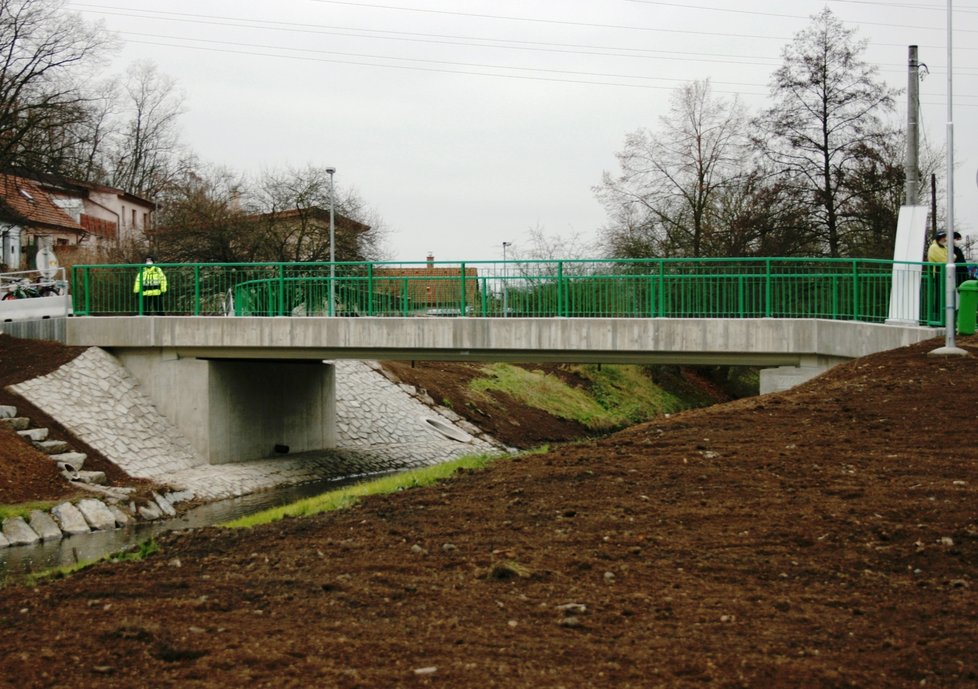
(236, 410)
(786, 377)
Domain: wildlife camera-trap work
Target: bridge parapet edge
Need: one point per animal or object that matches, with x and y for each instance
(760, 342)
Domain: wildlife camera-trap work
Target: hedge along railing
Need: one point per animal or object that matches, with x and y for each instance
(847, 289)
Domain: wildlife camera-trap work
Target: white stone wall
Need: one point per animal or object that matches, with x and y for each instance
(97, 399)
(381, 426)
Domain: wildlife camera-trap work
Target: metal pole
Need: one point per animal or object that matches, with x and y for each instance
(949, 324)
(913, 136)
(505, 275)
(332, 244)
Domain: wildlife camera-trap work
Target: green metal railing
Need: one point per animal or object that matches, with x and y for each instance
(842, 289)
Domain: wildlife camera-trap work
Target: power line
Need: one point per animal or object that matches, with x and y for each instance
(590, 25)
(887, 4)
(287, 26)
(428, 61)
(464, 72)
(423, 69)
(772, 14)
(507, 44)
(319, 29)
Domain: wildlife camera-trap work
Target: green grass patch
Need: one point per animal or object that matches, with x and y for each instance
(348, 496)
(616, 395)
(628, 392)
(24, 509)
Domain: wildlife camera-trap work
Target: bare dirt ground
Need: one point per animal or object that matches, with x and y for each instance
(822, 537)
(25, 473)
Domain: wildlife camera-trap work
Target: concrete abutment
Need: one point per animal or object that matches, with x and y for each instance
(237, 410)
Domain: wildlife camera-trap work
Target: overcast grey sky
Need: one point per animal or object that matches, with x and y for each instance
(464, 123)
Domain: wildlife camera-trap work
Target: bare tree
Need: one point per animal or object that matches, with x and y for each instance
(201, 219)
(216, 215)
(46, 54)
(761, 215)
(292, 207)
(826, 120)
(664, 200)
(148, 155)
(539, 253)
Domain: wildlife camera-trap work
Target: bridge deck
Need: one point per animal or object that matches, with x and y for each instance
(757, 342)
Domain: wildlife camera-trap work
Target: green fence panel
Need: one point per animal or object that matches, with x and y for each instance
(637, 288)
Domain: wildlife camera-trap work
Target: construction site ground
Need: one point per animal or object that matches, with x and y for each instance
(822, 537)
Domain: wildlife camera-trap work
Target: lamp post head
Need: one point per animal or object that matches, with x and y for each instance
(330, 171)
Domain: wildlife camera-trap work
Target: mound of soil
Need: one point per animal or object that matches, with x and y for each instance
(26, 474)
(497, 414)
(516, 424)
(822, 537)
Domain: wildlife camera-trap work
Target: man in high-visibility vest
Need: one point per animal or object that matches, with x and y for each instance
(151, 283)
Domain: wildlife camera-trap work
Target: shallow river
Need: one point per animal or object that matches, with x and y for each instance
(17, 561)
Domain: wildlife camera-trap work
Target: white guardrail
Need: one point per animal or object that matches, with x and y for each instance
(33, 294)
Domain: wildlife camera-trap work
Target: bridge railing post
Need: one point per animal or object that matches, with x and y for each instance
(196, 289)
(462, 296)
(768, 289)
(562, 291)
(370, 289)
(280, 307)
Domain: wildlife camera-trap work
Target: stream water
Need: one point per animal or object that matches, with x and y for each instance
(18, 561)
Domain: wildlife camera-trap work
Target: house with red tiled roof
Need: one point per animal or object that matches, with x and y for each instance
(69, 211)
(431, 290)
(26, 213)
(112, 217)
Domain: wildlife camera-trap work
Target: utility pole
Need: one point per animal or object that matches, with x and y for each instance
(912, 168)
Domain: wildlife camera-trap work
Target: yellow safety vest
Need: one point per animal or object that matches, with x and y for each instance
(151, 281)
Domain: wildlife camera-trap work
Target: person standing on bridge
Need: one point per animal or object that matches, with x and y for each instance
(151, 284)
(937, 254)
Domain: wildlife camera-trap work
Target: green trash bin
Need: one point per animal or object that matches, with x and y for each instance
(967, 307)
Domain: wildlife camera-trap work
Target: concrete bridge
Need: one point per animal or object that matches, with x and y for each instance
(235, 386)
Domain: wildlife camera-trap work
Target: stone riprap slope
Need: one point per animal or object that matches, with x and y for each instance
(381, 426)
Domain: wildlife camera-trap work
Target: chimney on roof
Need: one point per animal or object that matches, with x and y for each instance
(431, 261)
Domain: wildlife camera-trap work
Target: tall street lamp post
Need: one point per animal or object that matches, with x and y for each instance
(332, 244)
(505, 275)
(949, 348)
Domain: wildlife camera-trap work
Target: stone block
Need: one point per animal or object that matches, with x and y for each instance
(98, 516)
(75, 459)
(149, 512)
(70, 519)
(34, 434)
(7, 412)
(179, 496)
(3, 541)
(17, 423)
(45, 526)
(91, 477)
(17, 532)
(164, 505)
(52, 447)
(122, 518)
